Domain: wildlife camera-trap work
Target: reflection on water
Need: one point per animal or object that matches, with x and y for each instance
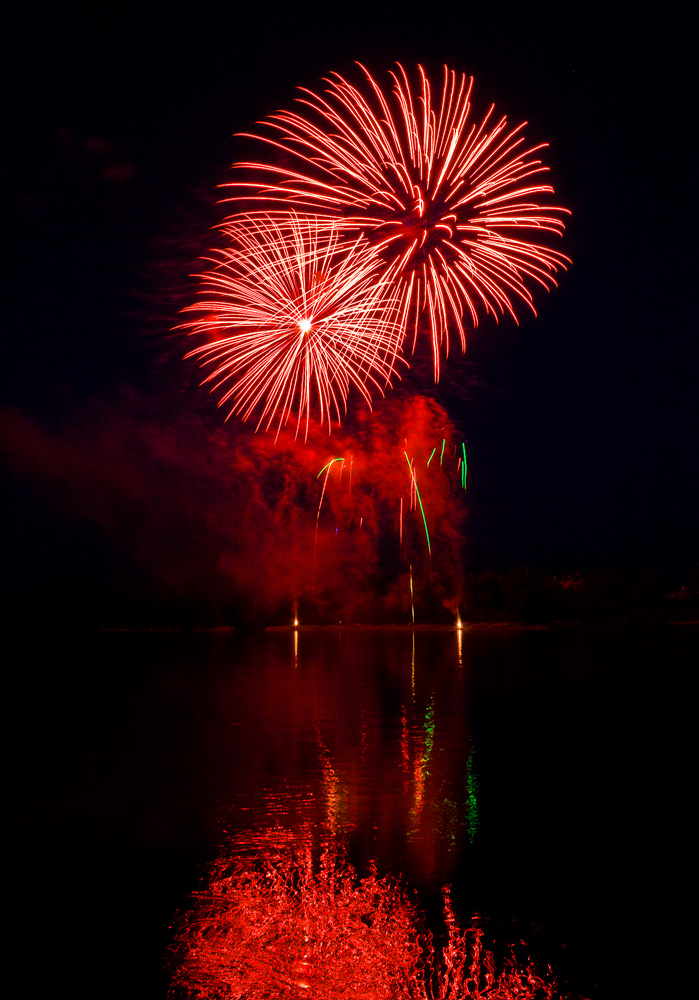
(282, 917)
(546, 777)
(369, 731)
(353, 745)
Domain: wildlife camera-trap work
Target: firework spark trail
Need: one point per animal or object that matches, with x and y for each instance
(419, 500)
(448, 205)
(416, 501)
(326, 469)
(291, 319)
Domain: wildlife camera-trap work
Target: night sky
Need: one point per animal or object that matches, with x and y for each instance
(581, 423)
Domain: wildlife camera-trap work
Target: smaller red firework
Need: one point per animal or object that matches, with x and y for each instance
(291, 318)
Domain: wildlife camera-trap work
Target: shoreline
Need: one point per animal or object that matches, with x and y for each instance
(357, 627)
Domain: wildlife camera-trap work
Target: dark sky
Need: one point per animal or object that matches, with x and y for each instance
(581, 424)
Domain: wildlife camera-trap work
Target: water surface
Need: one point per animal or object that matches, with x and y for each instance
(543, 775)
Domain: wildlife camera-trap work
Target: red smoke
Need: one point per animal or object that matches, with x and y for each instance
(236, 518)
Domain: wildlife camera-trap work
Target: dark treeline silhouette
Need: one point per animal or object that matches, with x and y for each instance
(524, 595)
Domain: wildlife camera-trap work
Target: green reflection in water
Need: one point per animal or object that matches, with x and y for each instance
(429, 731)
(472, 811)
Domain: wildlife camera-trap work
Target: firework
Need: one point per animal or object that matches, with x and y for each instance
(290, 322)
(449, 205)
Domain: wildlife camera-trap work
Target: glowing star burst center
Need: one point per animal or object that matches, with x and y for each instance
(424, 226)
(305, 325)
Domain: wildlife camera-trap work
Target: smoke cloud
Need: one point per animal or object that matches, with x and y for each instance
(246, 526)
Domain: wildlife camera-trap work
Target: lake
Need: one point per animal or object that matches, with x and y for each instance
(544, 776)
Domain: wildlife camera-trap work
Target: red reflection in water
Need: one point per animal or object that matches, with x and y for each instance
(275, 923)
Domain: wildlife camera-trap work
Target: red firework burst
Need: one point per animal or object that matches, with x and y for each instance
(448, 205)
(292, 317)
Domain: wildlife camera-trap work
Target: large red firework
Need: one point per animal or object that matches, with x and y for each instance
(291, 317)
(449, 205)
